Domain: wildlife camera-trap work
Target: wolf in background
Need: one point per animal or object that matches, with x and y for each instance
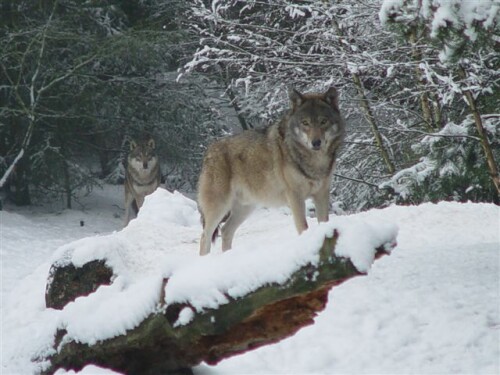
(283, 164)
(142, 176)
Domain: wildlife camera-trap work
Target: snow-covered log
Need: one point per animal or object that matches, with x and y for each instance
(167, 310)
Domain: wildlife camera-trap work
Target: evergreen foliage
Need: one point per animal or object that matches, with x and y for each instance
(79, 81)
(453, 167)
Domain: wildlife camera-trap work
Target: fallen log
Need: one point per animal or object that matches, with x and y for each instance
(161, 344)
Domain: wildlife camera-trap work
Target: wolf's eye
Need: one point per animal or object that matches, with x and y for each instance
(323, 122)
(305, 124)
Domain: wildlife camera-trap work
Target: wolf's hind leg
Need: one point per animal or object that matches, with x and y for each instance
(238, 215)
(213, 215)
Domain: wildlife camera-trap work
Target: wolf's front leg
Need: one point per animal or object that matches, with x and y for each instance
(140, 200)
(205, 243)
(298, 207)
(129, 212)
(127, 216)
(322, 203)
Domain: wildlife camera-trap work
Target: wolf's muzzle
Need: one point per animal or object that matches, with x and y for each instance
(316, 144)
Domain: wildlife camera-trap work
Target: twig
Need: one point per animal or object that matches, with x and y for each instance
(357, 180)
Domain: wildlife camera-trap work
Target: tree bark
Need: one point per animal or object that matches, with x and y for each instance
(237, 109)
(22, 196)
(65, 166)
(365, 105)
(490, 159)
(425, 101)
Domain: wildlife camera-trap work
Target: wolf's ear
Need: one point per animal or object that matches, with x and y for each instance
(296, 98)
(133, 145)
(151, 143)
(332, 97)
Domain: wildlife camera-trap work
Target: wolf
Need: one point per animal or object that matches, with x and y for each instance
(283, 164)
(142, 176)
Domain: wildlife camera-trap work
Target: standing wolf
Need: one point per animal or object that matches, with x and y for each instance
(283, 164)
(142, 176)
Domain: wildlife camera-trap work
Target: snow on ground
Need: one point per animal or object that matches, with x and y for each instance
(30, 235)
(433, 306)
(162, 243)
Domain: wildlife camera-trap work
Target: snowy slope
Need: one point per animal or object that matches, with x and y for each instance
(430, 307)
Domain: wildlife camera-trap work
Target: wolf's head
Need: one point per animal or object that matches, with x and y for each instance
(315, 120)
(142, 155)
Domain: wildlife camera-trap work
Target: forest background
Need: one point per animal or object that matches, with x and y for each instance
(418, 83)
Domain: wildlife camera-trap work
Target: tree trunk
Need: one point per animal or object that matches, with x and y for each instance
(490, 159)
(21, 195)
(234, 102)
(65, 166)
(67, 184)
(158, 345)
(365, 105)
(19, 171)
(437, 111)
(104, 163)
(425, 101)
